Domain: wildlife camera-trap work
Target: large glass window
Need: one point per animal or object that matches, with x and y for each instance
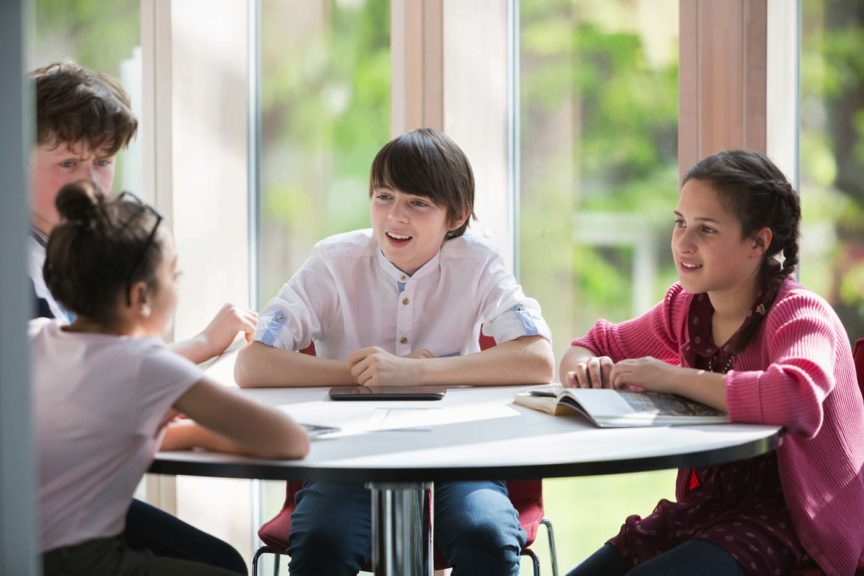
(599, 181)
(325, 97)
(832, 156)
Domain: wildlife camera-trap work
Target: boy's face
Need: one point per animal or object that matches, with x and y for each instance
(53, 165)
(409, 229)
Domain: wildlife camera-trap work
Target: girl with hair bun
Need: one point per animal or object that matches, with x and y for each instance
(738, 333)
(106, 385)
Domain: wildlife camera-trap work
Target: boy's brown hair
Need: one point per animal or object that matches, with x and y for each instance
(425, 162)
(100, 248)
(76, 105)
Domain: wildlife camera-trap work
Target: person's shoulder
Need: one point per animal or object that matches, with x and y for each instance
(469, 246)
(41, 326)
(793, 297)
(354, 244)
(677, 295)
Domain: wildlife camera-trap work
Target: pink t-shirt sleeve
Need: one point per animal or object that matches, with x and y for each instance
(799, 339)
(655, 333)
(165, 377)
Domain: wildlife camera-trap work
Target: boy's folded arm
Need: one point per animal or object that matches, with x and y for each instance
(262, 366)
(525, 360)
(254, 429)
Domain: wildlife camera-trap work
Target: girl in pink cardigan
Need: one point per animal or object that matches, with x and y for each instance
(739, 334)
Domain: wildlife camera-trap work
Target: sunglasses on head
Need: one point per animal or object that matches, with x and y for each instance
(132, 198)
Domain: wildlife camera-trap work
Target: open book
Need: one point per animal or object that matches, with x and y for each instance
(613, 409)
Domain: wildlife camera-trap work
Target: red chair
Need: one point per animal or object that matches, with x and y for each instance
(526, 496)
(812, 569)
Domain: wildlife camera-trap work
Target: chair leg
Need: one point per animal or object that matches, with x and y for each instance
(535, 562)
(265, 550)
(553, 555)
(257, 555)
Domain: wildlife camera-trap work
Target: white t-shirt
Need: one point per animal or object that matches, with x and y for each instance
(348, 296)
(101, 402)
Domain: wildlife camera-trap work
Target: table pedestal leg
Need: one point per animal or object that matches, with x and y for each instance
(402, 528)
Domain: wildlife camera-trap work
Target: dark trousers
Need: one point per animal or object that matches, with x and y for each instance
(112, 557)
(149, 528)
(692, 558)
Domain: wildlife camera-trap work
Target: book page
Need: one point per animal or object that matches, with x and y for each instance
(600, 401)
(666, 404)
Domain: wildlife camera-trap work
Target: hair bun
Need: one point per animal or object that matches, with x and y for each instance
(77, 202)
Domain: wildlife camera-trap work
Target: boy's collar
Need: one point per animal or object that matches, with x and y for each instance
(391, 270)
(39, 236)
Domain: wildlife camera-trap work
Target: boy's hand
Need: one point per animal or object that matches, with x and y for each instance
(222, 330)
(374, 367)
(593, 372)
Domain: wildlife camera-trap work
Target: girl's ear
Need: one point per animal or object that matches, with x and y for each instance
(762, 240)
(139, 296)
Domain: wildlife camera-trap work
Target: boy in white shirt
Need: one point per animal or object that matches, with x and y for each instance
(403, 304)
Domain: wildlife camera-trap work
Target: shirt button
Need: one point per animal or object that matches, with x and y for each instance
(279, 317)
(403, 278)
(405, 301)
(403, 340)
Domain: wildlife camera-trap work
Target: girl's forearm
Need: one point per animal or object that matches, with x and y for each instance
(706, 387)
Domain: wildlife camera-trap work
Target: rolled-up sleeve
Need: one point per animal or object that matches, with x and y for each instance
(507, 312)
(299, 312)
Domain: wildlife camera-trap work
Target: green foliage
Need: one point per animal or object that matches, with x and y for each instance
(326, 112)
(98, 34)
(599, 135)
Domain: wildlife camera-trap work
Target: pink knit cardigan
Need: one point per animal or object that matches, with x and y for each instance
(798, 373)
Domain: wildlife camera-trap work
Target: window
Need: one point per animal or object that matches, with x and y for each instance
(325, 107)
(832, 157)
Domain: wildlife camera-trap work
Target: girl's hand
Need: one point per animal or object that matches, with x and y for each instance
(592, 372)
(222, 330)
(374, 367)
(647, 373)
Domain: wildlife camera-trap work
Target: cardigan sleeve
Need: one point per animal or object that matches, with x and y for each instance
(800, 339)
(657, 333)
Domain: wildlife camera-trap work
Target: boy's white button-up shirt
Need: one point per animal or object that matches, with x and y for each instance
(348, 296)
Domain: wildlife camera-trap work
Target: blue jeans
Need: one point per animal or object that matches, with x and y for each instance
(692, 558)
(149, 528)
(476, 529)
